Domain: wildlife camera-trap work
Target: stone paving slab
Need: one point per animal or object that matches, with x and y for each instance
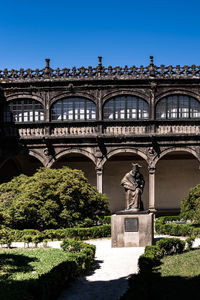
(109, 280)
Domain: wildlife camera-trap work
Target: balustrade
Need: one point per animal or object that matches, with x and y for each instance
(101, 72)
(108, 129)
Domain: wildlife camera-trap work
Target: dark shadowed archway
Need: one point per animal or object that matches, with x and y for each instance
(176, 173)
(114, 170)
(18, 164)
(80, 162)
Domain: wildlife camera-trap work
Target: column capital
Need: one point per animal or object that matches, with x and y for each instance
(99, 170)
(152, 170)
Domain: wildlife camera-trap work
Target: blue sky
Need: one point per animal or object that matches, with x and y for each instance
(76, 32)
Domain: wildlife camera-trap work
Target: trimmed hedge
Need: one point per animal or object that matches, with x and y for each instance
(165, 225)
(140, 285)
(48, 285)
(7, 235)
(152, 254)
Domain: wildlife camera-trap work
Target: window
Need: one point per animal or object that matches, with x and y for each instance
(73, 109)
(126, 108)
(23, 110)
(178, 107)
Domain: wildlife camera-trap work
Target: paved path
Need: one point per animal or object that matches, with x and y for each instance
(109, 280)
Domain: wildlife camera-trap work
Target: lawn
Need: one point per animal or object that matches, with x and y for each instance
(30, 263)
(178, 277)
(28, 274)
(183, 265)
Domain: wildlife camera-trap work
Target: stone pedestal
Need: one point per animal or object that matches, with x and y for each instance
(132, 229)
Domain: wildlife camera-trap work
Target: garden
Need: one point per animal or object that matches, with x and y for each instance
(60, 205)
(53, 204)
(170, 269)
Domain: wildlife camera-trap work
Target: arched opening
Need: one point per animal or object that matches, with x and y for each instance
(73, 109)
(175, 107)
(114, 170)
(176, 173)
(80, 162)
(126, 107)
(23, 111)
(18, 164)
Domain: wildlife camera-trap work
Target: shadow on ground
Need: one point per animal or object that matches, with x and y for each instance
(83, 289)
(10, 264)
(153, 286)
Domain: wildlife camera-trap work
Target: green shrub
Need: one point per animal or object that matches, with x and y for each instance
(27, 239)
(83, 253)
(106, 220)
(6, 237)
(51, 198)
(189, 242)
(170, 246)
(148, 261)
(165, 225)
(36, 239)
(72, 245)
(29, 235)
(190, 205)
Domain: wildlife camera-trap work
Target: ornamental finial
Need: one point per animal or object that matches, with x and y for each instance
(100, 60)
(47, 62)
(151, 60)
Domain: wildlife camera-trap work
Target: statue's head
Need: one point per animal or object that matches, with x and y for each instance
(135, 168)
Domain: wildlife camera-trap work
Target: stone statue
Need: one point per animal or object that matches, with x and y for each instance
(133, 183)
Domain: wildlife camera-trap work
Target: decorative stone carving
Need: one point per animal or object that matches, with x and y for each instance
(149, 72)
(151, 151)
(133, 183)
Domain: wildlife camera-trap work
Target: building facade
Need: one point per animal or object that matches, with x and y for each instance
(100, 120)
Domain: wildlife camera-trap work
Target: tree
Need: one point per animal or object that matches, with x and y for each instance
(51, 198)
(190, 205)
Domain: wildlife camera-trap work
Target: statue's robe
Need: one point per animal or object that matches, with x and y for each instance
(133, 188)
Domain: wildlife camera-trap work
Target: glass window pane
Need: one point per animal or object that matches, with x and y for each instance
(24, 110)
(126, 107)
(71, 109)
(178, 107)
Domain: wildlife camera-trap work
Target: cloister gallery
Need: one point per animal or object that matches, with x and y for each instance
(102, 119)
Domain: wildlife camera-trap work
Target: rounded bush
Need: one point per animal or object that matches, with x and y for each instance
(51, 198)
(190, 205)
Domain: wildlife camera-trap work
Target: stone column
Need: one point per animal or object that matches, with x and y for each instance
(152, 189)
(99, 172)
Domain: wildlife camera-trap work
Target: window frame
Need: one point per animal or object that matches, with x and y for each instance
(10, 113)
(127, 98)
(165, 101)
(87, 103)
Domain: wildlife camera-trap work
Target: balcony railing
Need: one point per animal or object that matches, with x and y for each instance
(100, 129)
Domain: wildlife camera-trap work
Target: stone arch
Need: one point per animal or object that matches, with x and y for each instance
(24, 96)
(122, 150)
(21, 163)
(175, 149)
(177, 92)
(37, 155)
(69, 151)
(70, 94)
(77, 159)
(123, 92)
(177, 170)
(114, 167)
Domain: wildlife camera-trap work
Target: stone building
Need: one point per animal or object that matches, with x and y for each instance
(102, 119)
